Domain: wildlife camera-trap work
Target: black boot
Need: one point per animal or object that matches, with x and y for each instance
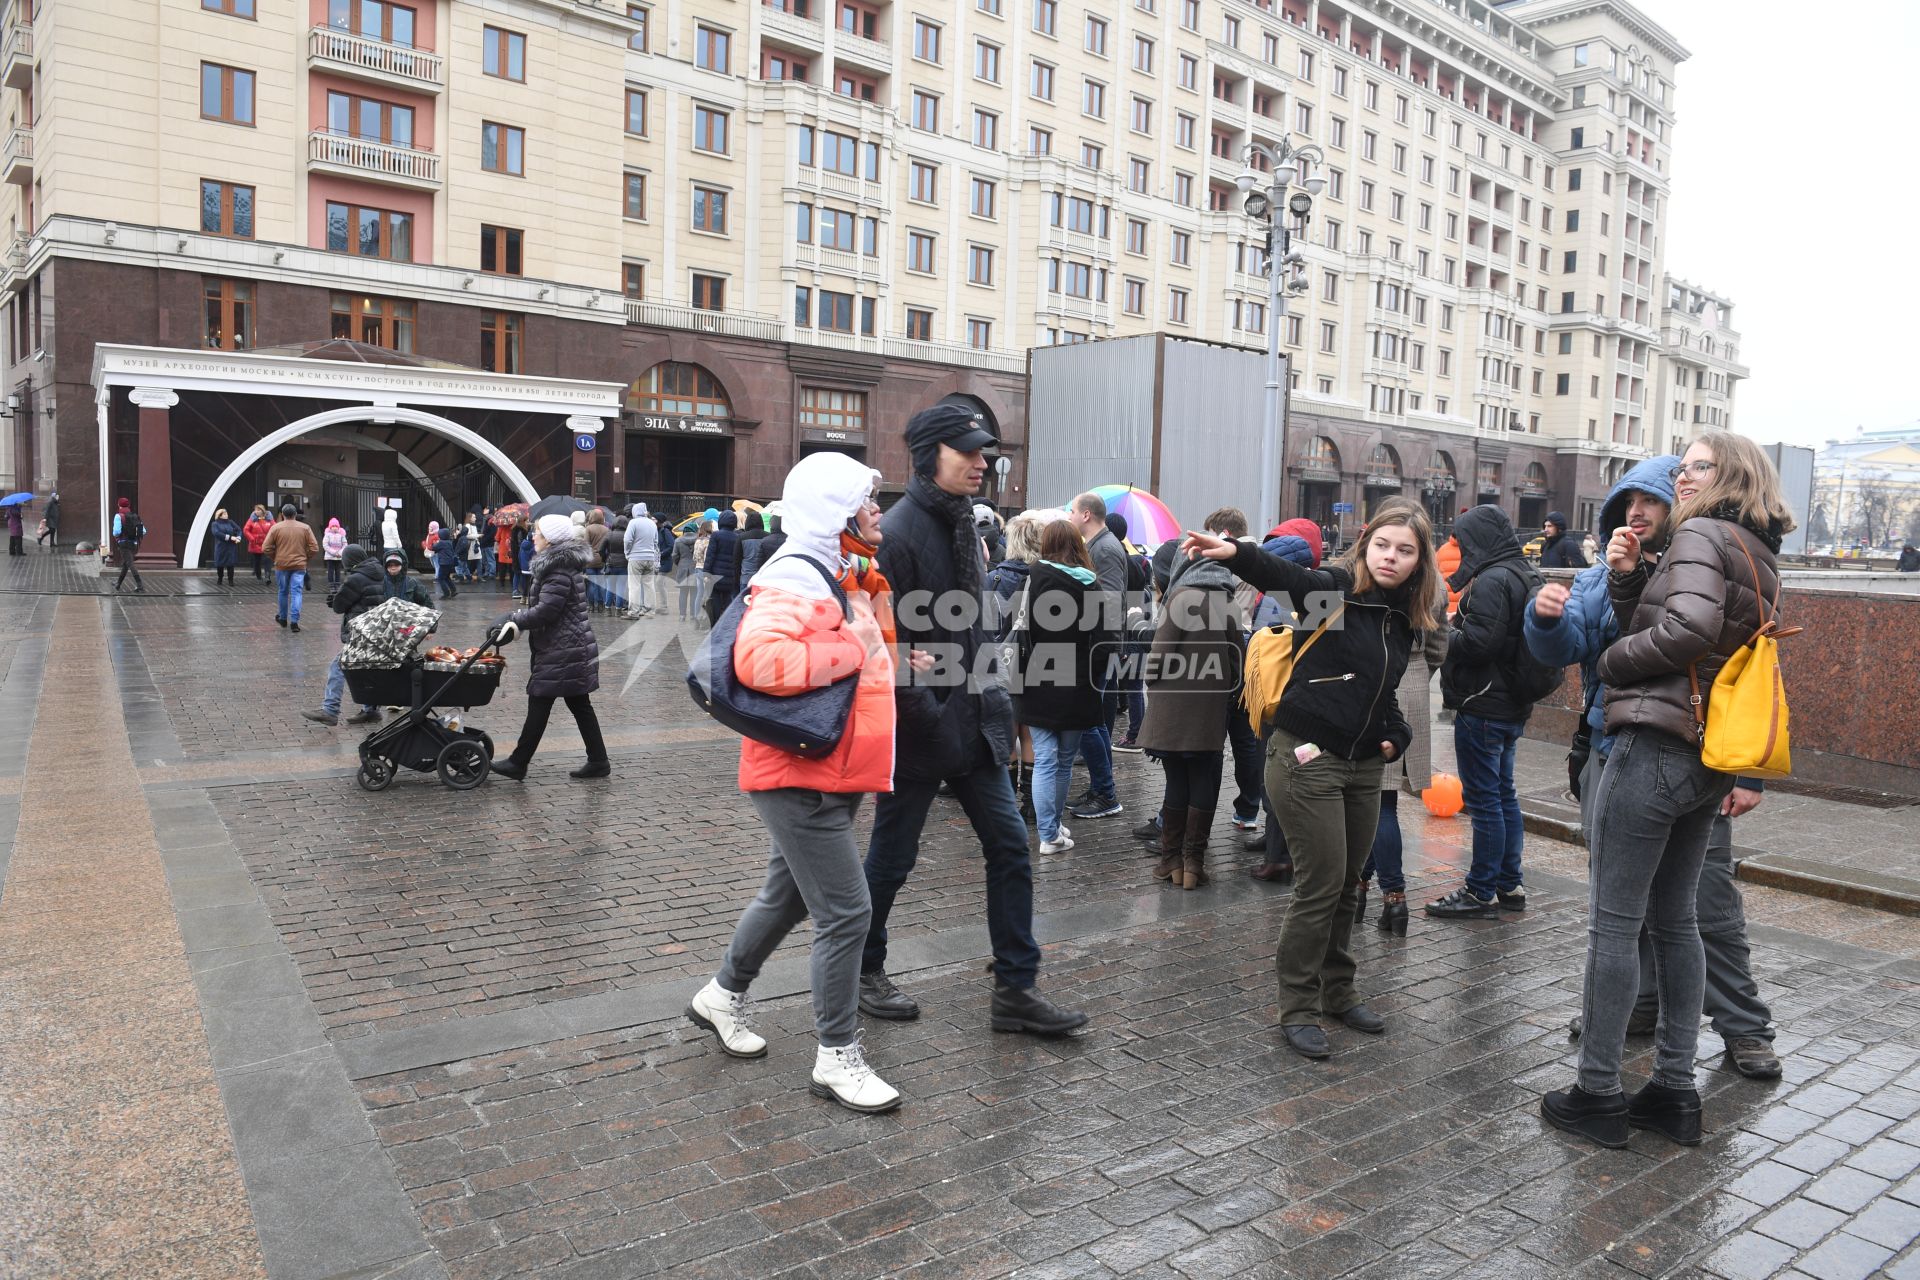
(1671, 1113)
(1025, 788)
(1597, 1119)
(1393, 914)
(1030, 1011)
(1360, 908)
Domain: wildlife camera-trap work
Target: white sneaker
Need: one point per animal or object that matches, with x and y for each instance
(843, 1075)
(1065, 833)
(1056, 846)
(729, 1015)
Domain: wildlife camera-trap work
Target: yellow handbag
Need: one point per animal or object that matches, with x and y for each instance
(1744, 731)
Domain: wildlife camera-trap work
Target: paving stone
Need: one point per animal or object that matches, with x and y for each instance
(1844, 1257)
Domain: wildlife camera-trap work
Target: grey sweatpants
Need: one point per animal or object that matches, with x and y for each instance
(814, 871)
(1733, 1002)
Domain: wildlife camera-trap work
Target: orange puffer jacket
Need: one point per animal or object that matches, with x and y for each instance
(1448, 558)
(788, 643)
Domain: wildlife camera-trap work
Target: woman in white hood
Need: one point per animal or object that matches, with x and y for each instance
(795, 637)
(390, 531)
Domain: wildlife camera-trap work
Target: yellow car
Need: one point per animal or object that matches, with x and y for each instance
(1532, 550)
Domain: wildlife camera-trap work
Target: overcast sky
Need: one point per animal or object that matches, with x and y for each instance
(1795, 196)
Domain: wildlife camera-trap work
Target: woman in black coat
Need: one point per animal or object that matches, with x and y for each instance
(566, 657)
(226, 546)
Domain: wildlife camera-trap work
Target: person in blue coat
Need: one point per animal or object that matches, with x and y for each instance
(446, 561)
(1565, 626)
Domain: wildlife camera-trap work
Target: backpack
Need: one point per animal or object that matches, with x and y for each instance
(133, 530)
(1530, 680)
(1138, 573)
(1271, 657)
(1745, 728)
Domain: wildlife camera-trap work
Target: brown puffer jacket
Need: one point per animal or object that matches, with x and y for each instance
(1698, 605)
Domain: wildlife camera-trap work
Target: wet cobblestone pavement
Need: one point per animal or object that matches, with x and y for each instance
(446, 1034)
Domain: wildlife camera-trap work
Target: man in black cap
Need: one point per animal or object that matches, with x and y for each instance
(951, 727)
(1559, 551)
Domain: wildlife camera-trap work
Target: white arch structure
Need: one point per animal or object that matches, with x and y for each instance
(465, 436)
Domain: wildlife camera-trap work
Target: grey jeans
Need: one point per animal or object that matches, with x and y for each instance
(814, 871)
(1733, 1002)
(1652, 815)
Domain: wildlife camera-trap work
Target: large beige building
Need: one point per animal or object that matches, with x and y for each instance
(773, 226)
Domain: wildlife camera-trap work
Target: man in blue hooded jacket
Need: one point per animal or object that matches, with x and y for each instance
(1566, 626)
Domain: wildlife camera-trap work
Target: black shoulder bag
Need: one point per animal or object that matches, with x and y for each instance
(809, 724)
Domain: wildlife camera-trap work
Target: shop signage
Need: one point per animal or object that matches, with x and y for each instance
(1530, 491)
(1319, 475)
(1381, 480)
(681, 424)
(823, 435)
(291, 484)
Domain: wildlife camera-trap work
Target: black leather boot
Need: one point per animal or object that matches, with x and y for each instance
(1672, 1113)
(1360, 908)
(1393, 915)
(1030, 1011)
(1597, 1119)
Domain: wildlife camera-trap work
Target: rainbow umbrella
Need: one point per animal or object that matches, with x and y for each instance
(1149, 523)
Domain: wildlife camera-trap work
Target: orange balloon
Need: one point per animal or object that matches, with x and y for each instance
(1442, 797)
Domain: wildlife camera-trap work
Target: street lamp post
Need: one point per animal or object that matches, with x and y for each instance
(1275, 208)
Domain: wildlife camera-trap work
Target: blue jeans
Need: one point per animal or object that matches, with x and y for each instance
(1052, 773)
(1385, 855)
(986, 794)
(336, 689)
(291, 584)
(1249, 763)
(1484, 750)
(1096, 748)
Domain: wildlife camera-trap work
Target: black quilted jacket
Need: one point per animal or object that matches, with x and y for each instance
(566, 657)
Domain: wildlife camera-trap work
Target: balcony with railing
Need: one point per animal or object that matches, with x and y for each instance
(1067, 307)
(18, 58)
(1082, 242)
(873, 55)
(16, 163)
(803, 33)
(734, 324)
(369, 159)
(380, 61)
(955, 353)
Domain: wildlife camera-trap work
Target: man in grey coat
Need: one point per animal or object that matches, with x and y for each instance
(1089, 516)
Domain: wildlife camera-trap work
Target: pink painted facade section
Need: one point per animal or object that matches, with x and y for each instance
(322, 84)
(323, 187)
(426, 22)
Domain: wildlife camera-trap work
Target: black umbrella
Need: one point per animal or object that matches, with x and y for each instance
(559, 505)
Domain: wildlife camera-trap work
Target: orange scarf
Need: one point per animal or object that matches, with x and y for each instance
(863, 574)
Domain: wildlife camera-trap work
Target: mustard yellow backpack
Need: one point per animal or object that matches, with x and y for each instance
(1269, 665)
(1744, 731)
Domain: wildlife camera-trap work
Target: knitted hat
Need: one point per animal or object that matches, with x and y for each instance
(557, 529)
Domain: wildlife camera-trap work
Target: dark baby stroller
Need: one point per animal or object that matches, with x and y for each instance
(419, 738)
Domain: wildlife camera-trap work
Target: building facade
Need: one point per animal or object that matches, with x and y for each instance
(786, 225)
